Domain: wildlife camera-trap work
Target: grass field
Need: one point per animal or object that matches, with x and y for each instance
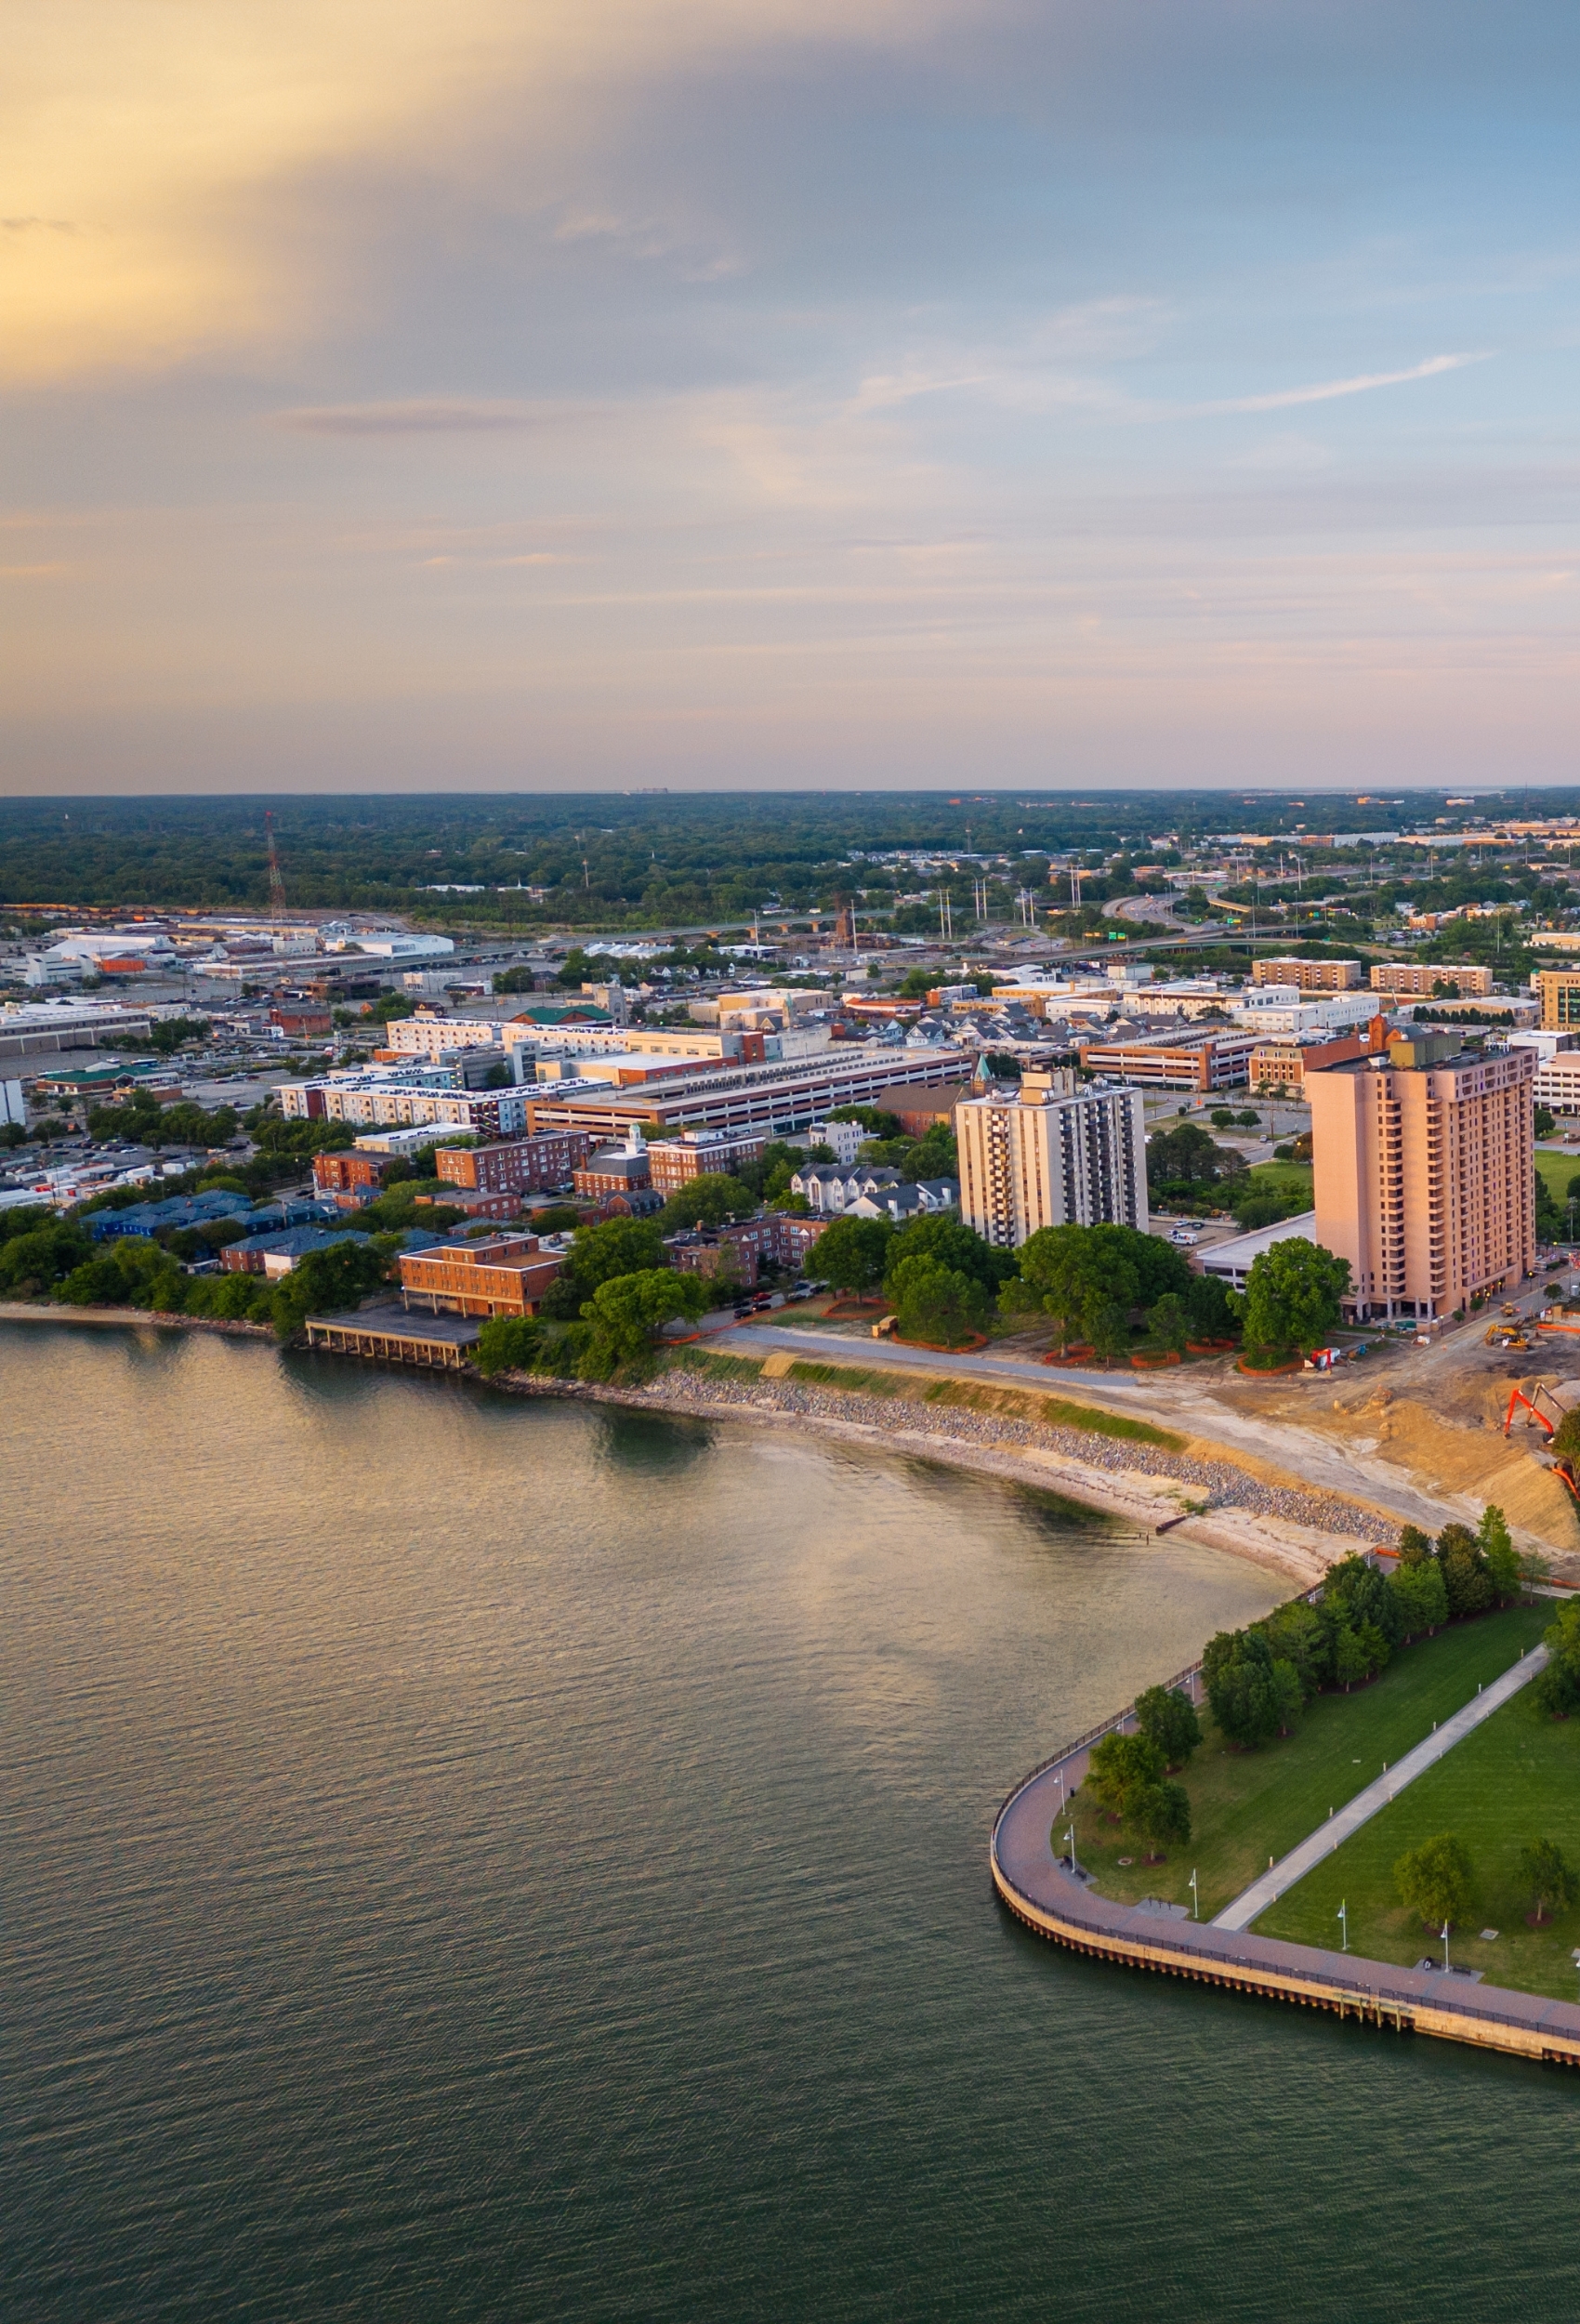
(1514, 1780)
(1291, 1179)
(1247, 1806)
(1558, 1170)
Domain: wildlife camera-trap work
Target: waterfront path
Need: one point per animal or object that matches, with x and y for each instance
(1365, 1804)
(1043, 1894)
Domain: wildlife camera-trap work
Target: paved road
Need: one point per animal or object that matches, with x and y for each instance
(1365, 1804)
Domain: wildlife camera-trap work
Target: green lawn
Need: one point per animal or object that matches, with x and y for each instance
(1290, 1179)
(1514, 1780)
(1558, 1170)
(1247, 1806)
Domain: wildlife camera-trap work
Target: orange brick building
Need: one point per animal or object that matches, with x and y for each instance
(506, 1276)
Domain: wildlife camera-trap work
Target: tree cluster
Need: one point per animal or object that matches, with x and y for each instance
(1258, 1679)
(1557, 1690)
(1126, 1775)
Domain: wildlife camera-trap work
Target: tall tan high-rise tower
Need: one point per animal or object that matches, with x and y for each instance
(1042, 1152)
(1424, 1169)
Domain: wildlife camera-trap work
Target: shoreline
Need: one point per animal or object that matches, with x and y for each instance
(1292, 1552)
(137, 1319)
(1131, 1496)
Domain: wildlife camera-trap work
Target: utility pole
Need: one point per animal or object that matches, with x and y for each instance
(276, 882)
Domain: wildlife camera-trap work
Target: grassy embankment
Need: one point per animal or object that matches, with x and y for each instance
(912, 1387)
(1247, 1806)
(1514, 1780)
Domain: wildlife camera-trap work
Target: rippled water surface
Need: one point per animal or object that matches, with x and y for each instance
(467, 1858)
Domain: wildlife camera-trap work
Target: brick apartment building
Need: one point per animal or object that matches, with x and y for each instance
(514, 1166)
(1419, 979)
(1283, 1065)
(1558, 992)
(350, 1178)
(616, 1170)
(1425, 1173)
(1217, 1061)
(674, 1162)
(738, 1253)
(1309, 976)
(506, 1276)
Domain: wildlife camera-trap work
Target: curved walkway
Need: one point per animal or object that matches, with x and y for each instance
(1046, 1898)
(1365, 1804)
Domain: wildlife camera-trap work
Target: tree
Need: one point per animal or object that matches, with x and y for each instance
(323, 1281)
(1292, 1295)
(1437, 1880)
(706, 1200)
(1167, 1717)
(626, 1311)
(1414, 1545)
(1080, 1276)
(1548, 1878)
(1558, 1688)
(619, 1246)
(1499, 1555)
(1169, 1322)
(1350, 1664)
(935, 1302)
(1246, 1699)
(955, 1244)
(1108, 1328)
(852, 1253)
(1464, 1575)
(1161, 1812)
(1421, 1597)
(1120, 1765)
(1299, 1635)
(507, 1343)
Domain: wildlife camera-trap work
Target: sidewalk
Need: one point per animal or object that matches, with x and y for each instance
(1365, 1804)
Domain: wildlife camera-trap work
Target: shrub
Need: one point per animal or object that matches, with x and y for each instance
(507, 1343)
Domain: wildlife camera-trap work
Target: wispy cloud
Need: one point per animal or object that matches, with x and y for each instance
(421, 415)
(1329, 391)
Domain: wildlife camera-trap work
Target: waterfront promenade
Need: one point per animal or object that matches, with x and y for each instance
(1047, 1896)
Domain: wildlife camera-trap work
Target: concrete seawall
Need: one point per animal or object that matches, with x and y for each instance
(1044, 1894)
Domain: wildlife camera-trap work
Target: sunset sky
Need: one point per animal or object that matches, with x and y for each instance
(731, 392)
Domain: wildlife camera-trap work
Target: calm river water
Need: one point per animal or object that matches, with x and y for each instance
(463, 1858)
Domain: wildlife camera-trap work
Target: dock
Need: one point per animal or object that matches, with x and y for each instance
(389, 1335)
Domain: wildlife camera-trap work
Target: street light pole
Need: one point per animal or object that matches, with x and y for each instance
(1195, 1899)
(1342, 1917)
(1446, 1944)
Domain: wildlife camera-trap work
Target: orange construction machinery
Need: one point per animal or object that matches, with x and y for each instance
(1545, 1407)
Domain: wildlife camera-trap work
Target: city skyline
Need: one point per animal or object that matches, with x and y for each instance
(715, 397)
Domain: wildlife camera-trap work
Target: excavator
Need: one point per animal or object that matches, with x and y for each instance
(1544, 1408)
(1508, 1336)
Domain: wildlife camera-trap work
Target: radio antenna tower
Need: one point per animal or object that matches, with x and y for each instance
(276, 884)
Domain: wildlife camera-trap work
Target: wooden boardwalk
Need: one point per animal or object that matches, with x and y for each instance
(1043, 1894)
